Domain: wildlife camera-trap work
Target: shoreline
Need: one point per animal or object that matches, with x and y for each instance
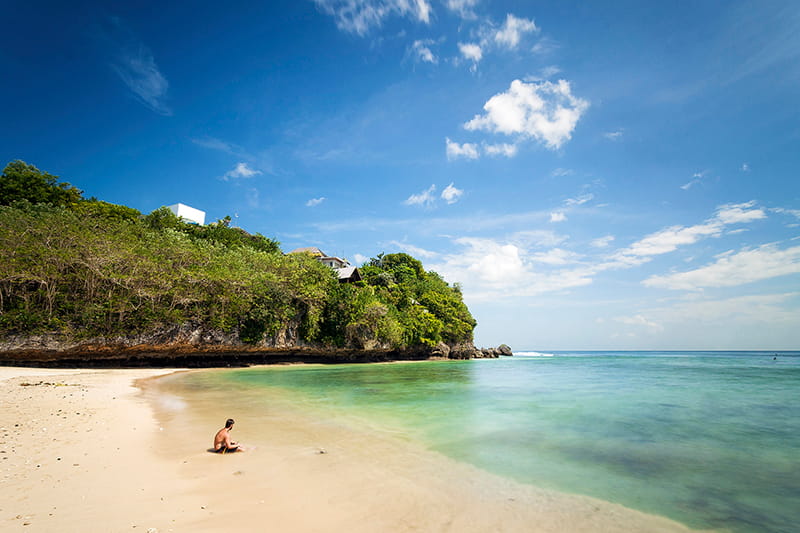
(116, 457)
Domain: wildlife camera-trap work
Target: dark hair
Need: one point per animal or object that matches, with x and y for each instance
(229, 423)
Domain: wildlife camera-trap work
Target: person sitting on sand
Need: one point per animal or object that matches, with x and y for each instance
(222, 440)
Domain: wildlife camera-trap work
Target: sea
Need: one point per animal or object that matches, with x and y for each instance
(709, 439)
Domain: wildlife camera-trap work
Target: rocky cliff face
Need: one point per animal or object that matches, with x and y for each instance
(191, 345)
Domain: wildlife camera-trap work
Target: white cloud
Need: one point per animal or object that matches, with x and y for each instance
(561, 172)
(731, 269)
(360, 259)
(639, 321)
(669, 239)
(471, 51)
(557, 216)
(555, 257)
(602, 242)
(463, 7)
(241, 170)
(422, 51)
(510, 33)
(490, 269)
(413, 250)
(547, 112)
(315, 201)
(745, 167)
(466, 150)
(613, 135)
(739, 213)
(580, 200)
(360, 16)
(218, 144)
(507, 150)
(451, 195)
(138, 70)
(697, 177)
(425, 198)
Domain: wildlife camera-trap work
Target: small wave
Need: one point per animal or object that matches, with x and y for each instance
(533, 354)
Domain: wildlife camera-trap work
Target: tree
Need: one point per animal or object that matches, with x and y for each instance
(23, 182)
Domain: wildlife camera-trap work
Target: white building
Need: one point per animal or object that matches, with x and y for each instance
(189, 214)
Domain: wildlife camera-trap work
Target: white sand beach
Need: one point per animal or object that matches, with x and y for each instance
(86, 450)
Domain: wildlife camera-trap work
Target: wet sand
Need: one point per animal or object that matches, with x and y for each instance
(88, 451)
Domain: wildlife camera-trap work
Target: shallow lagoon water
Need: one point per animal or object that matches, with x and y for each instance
(709, 439)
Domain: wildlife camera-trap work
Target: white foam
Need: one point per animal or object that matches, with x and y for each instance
(532, 354)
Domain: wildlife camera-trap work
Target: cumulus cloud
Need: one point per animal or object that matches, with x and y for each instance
(422, 51)
(456, 151)
(490, 269)
(472, 52)
(424, 198)
(315, 201)
(557, 216)
(507, 150)
(241, 170)
(451, 195)
(732, 269)
(546, 112)
(511, 32)
(360, 16)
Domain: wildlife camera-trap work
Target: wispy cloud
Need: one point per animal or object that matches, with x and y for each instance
(422, 52)
(220, 145)
(669, 239)
(732, 269)
(361, 16)
(315, 201)
(546, 112)
(425, 198)
(135, 65)
(451, 194)
(241, 170)
(613, 135)
(745, 167)
(511, 32)
(579, 200)
(465, 8)
(697, 177)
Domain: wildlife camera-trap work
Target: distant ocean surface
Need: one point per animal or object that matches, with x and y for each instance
(711, 439)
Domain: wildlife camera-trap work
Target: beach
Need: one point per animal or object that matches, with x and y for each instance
(88, 450)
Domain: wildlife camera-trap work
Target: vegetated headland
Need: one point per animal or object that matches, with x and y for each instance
(84, 282)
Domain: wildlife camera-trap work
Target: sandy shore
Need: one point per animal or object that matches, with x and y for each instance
(87, 451)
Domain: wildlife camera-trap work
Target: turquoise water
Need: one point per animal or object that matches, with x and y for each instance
(710, 439)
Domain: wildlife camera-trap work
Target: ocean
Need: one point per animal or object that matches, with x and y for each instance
(710, 439)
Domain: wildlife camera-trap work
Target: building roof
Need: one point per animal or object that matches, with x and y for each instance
(313, 250)
(349, 273)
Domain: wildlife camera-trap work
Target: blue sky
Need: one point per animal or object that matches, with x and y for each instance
(596, 175)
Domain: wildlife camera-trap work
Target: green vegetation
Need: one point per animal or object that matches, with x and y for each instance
(87, 268)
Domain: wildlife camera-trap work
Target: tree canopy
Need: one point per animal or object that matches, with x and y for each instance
(87, 268)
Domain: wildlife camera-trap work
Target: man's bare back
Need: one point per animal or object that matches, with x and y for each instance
(222, 440)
